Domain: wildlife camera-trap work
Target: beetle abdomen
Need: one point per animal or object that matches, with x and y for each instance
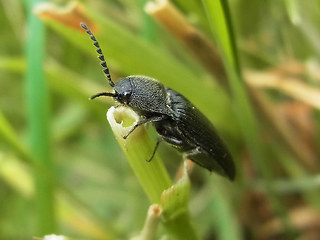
(209, 150)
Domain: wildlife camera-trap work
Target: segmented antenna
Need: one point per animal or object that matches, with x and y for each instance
(99, 51)
(107, 94)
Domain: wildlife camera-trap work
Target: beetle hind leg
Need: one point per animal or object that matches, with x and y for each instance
(205, 160)
(171, 140)
(159, 140)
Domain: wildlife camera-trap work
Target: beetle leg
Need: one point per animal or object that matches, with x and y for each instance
(171, 140)
(151, 119)
(201, 157)
(159, 140)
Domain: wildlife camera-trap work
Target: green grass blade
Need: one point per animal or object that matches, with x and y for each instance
(222, 211)
(38, 120)
(220, 23)
(244, 111)
(8, 135)
(218, 15)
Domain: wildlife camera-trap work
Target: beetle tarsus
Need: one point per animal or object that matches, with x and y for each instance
(151, 119)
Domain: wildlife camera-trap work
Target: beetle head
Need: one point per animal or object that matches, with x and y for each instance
(123, 91)
(144, 94)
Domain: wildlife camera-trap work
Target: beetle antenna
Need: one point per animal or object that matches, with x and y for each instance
(107, 94)
(99, 51)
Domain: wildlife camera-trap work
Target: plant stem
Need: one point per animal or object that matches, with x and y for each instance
(152, 176)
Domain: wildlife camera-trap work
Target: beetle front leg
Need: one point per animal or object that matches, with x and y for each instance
(151, 119)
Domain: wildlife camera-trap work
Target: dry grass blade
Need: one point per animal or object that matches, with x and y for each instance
(71, 14)
(288, 85)
(193, 39)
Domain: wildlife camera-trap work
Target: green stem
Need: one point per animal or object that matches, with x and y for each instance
(152, 176)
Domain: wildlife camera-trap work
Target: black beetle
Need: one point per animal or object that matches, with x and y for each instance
(177, 121)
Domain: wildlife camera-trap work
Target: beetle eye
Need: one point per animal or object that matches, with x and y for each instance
(126, 96)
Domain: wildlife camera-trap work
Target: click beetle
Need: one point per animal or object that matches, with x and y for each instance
(177, 121)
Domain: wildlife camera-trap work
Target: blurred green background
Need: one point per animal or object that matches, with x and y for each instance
(61, 169)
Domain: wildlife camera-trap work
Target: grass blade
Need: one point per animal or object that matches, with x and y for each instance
(219, 17)
(38, 120)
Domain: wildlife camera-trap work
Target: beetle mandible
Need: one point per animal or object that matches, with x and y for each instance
(177, 121)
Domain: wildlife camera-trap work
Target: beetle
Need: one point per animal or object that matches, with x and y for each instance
(176, 120)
